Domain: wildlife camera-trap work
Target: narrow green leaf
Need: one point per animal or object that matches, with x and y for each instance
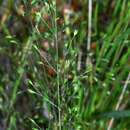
(116, 114)
(40, 63)
(31, 91)
(35, 47)
(30, 82)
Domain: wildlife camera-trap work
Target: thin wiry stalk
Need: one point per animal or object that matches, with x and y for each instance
(89, 30)
(57, 55)
(119, 101)
(35, 29)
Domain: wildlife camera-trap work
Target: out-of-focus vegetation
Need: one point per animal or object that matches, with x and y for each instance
(46, 81)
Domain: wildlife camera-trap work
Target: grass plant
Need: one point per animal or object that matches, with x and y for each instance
(64, 65)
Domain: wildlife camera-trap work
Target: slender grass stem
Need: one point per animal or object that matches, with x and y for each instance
(89, 31)
(57, 55)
